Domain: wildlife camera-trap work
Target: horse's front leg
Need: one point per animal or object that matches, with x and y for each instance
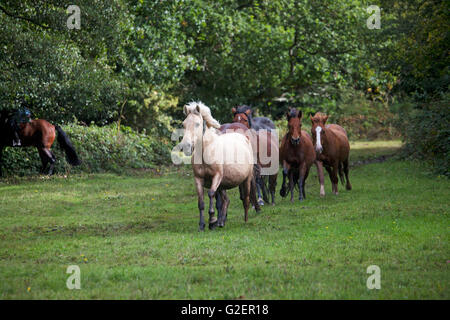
(283, 192)
(301, 187)
(201, 203)
(291, 183)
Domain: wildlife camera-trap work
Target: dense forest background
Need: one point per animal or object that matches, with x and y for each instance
(136, 62)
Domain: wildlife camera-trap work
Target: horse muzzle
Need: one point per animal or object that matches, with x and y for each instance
(186, 147)
(295, 141)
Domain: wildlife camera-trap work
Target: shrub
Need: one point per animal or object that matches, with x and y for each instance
(101, 149)
(426, 131)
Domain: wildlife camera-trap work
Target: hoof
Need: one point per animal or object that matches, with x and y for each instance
(283, 193)
(260, 202)
(348, 187)
(322, 191)
(201, 228)
(273, 204)
(221, 225)
(213, 225)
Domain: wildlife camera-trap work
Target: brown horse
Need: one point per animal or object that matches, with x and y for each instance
(40, 134)
(265, 146)
(297, 155)
(332, 149)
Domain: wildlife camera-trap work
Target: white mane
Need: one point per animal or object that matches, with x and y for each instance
(204, 111)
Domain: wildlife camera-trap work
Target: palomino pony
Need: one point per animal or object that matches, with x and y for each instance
(265, 146)
(236, 127)
(297, 155)
(219, 162)
(40, 134)
(332, 148)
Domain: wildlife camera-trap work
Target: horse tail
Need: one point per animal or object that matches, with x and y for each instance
(341, 172)
(64, 143)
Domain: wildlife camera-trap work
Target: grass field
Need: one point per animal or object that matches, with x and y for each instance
(135, 236)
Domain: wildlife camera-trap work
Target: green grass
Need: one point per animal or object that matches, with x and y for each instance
(136, 237)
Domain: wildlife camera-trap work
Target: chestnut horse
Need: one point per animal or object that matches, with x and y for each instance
(332, 149)
(265, 147)
(297, 155)
(219, 162)
(40, 134)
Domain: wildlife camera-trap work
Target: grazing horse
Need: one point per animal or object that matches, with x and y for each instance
(332, 149)
(38, 133)
(265, 146)
(219, 162)
(297, 155)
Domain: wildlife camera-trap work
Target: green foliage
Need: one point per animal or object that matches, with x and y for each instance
(100, 149)
(426, 130)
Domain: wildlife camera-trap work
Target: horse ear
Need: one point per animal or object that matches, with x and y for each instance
(248, 112)
(185, 110)
(310, 116)
(233, 110)
(325, 119)
(299, 114)
(288, 113)
(197, 108)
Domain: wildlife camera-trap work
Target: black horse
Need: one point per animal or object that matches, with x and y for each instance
(37, 133)
(243, 114)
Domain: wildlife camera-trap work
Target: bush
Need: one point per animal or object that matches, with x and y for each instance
(101, 149)
(426, 131)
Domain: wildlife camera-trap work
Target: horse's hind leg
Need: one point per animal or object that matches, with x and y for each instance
(219, 206)
(211, 194)
(341, 172)
(247, 185)
(224, 209)
(273, 186)
(265, 191)
(44, 159)
(348, 185)
(253, 192)
(319, 165)
(52, 162)
(334, 177)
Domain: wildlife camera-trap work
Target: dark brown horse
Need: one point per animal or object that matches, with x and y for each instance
(332, 149)
(266, 146)
(296, 154)
(40, 134)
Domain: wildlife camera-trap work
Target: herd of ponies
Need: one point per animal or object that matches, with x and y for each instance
(246, 154)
